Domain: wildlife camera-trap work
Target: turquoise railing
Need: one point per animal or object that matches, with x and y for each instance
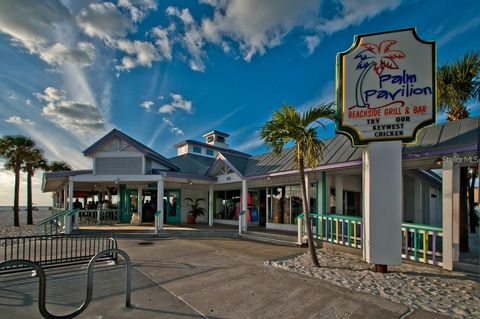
(55, 222)
(420, 243)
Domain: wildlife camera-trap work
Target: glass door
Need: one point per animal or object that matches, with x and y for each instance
(172, 205)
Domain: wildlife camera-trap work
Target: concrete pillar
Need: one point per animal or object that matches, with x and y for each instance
(383, 200)
(322, 199)
(68, 218)
(65, 192)
(210, 206)
(140, 203)
(450, 213)
(418, 200)
(339, 195)
(160, 211)
(307, 191)
(242, 221)
(328, 182)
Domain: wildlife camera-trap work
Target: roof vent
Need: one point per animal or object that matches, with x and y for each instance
(216, 138)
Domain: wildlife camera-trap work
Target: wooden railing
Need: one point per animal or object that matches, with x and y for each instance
(420, 243)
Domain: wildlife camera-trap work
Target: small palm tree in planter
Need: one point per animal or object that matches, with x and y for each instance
(195, 209)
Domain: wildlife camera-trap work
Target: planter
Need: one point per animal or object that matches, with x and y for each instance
(191, 219)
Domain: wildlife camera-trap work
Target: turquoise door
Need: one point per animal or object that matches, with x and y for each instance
(172, 202)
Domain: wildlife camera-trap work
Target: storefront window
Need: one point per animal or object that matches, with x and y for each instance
(227, 204)
(285, 203)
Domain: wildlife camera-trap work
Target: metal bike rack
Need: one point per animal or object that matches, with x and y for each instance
(42, 287)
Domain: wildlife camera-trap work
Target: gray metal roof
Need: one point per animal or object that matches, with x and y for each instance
(192, 163)
(448, 137)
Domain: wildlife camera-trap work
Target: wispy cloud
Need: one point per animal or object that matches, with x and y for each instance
(463, 27)
(147, 105)
(19, 120)
(177, 102)
(172, 128)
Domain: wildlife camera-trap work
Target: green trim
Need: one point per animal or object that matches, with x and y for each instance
(422, 227)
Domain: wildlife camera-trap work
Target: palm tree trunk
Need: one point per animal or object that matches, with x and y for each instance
(306, 212)
(29, 199)
(16, 217)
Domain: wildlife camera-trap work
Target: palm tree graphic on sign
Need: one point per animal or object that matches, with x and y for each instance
(380, 57)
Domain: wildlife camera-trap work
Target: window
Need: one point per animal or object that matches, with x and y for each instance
(209, 139)
(226, 204)
(220, 139)
(209, 152)
(197, 149)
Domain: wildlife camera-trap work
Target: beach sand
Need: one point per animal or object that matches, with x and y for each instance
(8, 230)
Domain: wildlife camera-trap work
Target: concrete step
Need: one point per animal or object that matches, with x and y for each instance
(270, 238)
(285, 237)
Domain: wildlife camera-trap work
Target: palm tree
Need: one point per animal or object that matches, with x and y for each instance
(459, 83)
(58, 166)
(14, 149)
(290, 126)
(33, 161)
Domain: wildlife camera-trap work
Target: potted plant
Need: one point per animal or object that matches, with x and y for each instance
(195, 210)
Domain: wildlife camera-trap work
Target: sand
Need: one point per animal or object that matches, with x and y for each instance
(420, 287)
(8, 230)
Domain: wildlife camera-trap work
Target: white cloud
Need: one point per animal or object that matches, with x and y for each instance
(257, 25)
(166, 108)
(147, 105)
(105, 21)
(58, 54)
(192, 39)
(162, 42)
(178, 102)
(353, 12)
(28, 102)
(172, 128)
(311, 42)
(138, 8)
(36, 25)
(19, 120)
(84, 118)
(141, 53)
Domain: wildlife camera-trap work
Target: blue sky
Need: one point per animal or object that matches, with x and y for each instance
(167, 71)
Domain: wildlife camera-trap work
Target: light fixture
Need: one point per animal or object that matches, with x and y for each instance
(438, 162)
(190, 181)
(268, 178)
(117, 181)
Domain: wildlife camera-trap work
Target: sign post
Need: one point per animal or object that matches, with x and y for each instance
(385, 95)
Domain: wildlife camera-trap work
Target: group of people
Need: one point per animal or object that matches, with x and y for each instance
(105, 204)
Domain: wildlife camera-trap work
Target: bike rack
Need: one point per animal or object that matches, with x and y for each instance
(42, 287)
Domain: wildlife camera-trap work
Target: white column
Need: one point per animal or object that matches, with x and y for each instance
(68, 218)
(242, 222)
(418, 200)
(159, 214)
(140, 203)
(210, 206)
(339, 195)
(267, 205)
(65, 192)
(307, 191)
(450, 213)
(383, 197)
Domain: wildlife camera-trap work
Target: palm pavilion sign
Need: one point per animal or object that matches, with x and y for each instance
(386, 87)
